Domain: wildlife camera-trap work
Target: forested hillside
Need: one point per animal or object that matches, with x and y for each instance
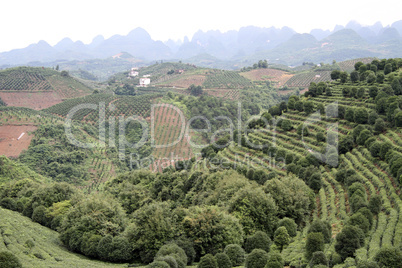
(312, 180)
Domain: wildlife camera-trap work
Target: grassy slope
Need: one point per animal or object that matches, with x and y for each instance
(16, 229)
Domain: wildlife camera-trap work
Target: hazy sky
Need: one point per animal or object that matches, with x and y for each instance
(24, 22)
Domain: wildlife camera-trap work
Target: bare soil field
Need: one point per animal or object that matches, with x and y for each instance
(274, 75)
(36, 100)
(15, 139)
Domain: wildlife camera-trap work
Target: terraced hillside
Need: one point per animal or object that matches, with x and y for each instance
(306, 138)
(38, 88)
(172, 143)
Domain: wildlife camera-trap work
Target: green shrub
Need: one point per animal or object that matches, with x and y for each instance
(290, 226)
(318, 258)
(314, 243)
(223, 260)
(236, 254)
(390, 257)
(359, 220)
(323, 227)
(208, 261)
(258, 258)
(274, 261)
(281, 237)
(188, 248)
(335, 259)
(348, 240)
(259, 240)
(8, 203)
(367, 213)
(172, 248)
(169, 260)
(9, 260)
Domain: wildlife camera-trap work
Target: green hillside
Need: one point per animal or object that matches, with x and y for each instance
(360, 121)
(37, 246)
(311, 179)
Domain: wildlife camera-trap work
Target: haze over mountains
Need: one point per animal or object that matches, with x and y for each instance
(232, 49)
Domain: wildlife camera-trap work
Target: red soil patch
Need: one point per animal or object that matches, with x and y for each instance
(11, 142)
(36, 100)
(278, 76)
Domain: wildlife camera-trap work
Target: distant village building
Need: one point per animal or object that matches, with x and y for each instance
(146, 75)
(145, 81)
(133, 72)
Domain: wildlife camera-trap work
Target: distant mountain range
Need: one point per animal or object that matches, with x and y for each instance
(232, 49)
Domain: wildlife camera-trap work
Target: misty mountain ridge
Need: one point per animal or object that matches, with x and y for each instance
(279, 45)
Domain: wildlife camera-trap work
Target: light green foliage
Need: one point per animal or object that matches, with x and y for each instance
(159, 264)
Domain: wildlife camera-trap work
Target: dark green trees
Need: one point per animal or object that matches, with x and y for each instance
(258, 258)
(9, 260)
(259, 240)
(314, 243)
(281, 237)
(348, 240)
(208, 261)
(195, 90)
(390, 257)
(236, 254)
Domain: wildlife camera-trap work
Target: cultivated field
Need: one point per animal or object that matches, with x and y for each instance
(36, 100)
(15, 139)
(278, 77)
(185, 81)
(304, 79)
(168, 130)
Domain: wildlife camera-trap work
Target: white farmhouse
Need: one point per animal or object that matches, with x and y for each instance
(133, 72)
(144, 81)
